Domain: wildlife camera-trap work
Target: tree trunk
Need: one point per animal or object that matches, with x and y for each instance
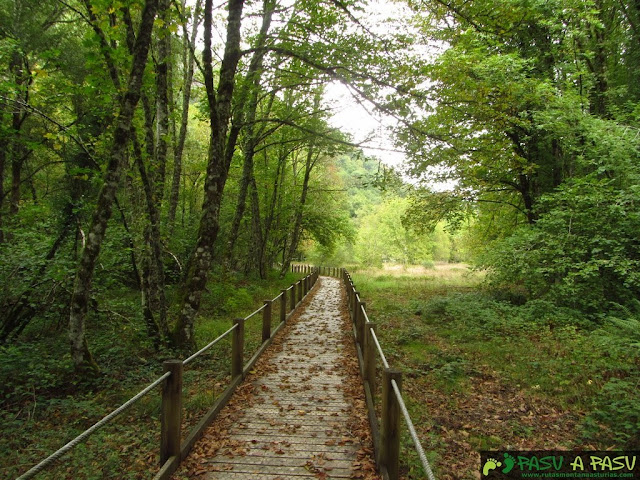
(297, 224)
(152, 278)
(257, 241)
(598, 65)
(297, 227)
(245, 116)
(267, 258)
(219, 101)
(21, 77)
(152, 284)
(188, 62)
(158, 172)
(4, 143)
(122, 133)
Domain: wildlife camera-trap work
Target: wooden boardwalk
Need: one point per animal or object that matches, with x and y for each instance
(300, 422)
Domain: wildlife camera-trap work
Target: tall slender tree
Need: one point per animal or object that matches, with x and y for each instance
(218, 161)
(122, 133)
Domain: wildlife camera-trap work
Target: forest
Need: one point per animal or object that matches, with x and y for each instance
(164, 163)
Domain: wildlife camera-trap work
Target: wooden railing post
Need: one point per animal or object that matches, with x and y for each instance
(237, 348)
(354, 292)
(361, 324)
(390, 438)
(283, 306)
(266, 321)
(369, 355)
(293, 296)
(356, 314)
(300, 295)
(171, 420)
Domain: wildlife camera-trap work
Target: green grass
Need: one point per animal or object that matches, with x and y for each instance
(484, 373)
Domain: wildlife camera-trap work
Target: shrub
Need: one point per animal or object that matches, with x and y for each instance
(567, 256)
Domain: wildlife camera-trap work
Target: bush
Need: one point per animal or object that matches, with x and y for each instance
(617, 413)
(581, 253)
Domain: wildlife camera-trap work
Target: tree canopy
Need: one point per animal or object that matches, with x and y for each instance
(149, 144)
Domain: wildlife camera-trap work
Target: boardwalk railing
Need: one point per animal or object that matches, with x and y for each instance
(172, 449)
(386, 430)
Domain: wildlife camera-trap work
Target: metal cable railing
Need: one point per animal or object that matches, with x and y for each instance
(255, 313)
(83, 436)
(379, 348)
(364, 314)
(412, 431)
(207, 347)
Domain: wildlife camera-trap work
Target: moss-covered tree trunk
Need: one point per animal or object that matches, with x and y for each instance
(121, 136)
(245, 118)
(219, 101)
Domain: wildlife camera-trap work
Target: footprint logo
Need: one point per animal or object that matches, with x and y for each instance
(509, 462)
(490, 464)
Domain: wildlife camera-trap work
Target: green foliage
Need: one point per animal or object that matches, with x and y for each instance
(31, 371)
(617, 415)
(568, 257)
(227, 297)
(383, 238)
